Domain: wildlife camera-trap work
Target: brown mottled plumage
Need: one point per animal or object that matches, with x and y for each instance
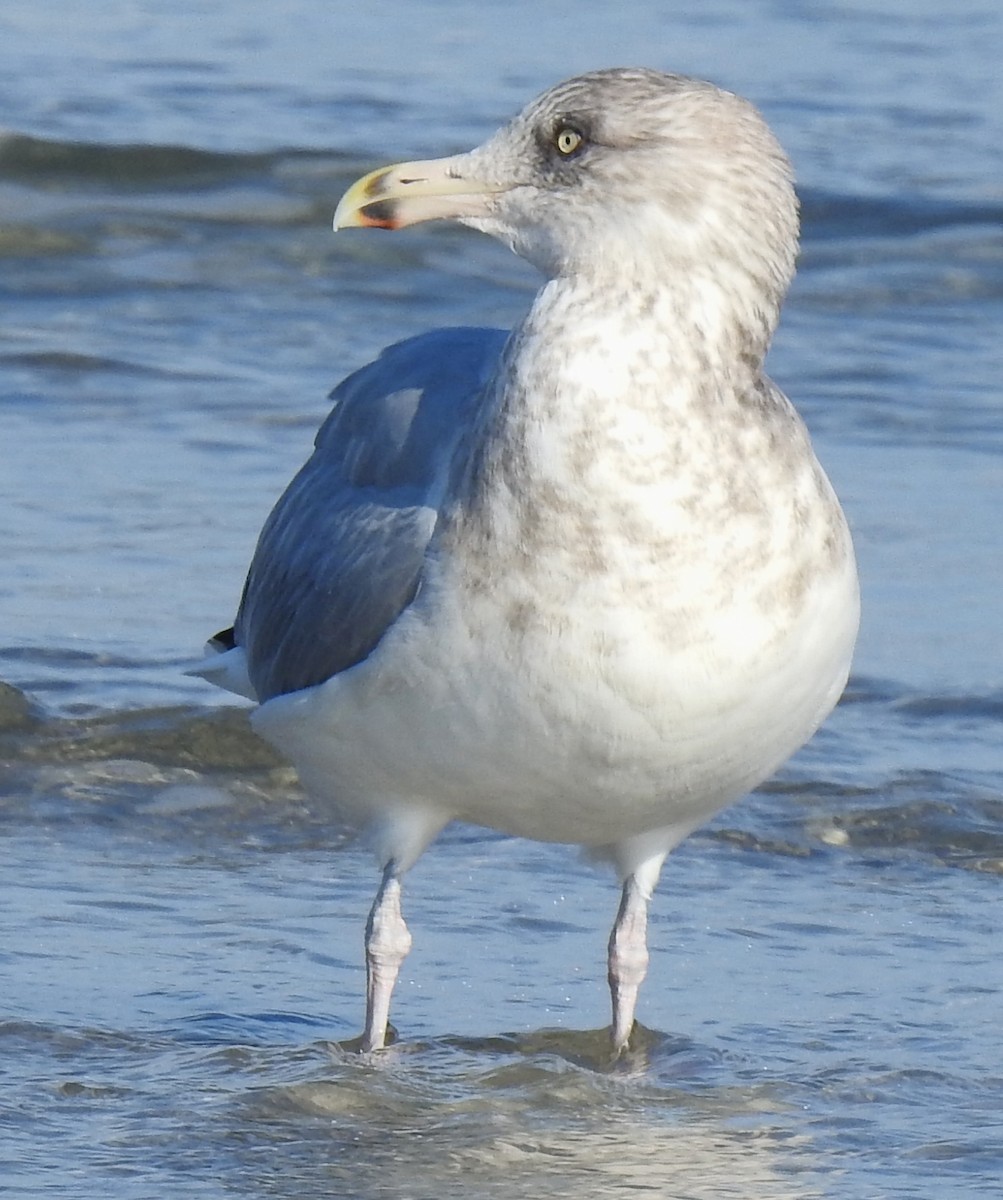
(588, 584)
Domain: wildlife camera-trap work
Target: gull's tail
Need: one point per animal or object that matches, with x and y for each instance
(225, 665)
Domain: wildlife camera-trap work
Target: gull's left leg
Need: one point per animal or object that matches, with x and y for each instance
(387, 944)
(628, 960)
(628, 947)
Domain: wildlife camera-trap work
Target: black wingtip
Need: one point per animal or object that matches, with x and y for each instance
(224, 640)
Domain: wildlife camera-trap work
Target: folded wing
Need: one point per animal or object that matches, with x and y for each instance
(341, 555)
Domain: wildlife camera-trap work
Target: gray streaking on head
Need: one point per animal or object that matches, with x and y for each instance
(584, 583)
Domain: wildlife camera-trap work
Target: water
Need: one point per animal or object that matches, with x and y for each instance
(182, 932)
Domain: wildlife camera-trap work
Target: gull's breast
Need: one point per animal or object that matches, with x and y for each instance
(584, 680)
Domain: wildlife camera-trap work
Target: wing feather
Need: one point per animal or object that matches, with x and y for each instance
(341, 555)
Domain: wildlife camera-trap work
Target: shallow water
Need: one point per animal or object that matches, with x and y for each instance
(182, 932)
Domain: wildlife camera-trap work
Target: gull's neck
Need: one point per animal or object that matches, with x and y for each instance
(606, 391)
(639, 339)
(708, 290)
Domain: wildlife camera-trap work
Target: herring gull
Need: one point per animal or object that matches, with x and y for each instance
(583, 582)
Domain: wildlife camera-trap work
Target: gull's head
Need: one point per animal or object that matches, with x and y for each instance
(612, 172)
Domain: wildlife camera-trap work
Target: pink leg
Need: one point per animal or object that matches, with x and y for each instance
(628, 959)
(387, 944)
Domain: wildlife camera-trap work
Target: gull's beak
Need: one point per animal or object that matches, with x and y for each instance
(407, 193)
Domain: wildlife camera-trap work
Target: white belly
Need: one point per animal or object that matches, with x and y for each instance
(589, 725)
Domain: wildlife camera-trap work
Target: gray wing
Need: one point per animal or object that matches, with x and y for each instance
(341, 555)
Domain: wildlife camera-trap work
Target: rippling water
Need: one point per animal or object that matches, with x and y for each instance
(182, 932)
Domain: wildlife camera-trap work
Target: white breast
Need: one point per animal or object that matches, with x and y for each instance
(640, 601)
(579, 717)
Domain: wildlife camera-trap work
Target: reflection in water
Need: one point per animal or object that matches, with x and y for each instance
(534, 1116)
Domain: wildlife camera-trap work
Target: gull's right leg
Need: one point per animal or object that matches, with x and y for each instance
(387, 944)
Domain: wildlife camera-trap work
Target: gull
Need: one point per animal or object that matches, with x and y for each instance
(584, 582)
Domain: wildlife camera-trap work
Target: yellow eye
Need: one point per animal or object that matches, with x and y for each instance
(568, 140)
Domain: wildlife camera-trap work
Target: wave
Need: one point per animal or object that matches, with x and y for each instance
(202, 772)
(176, 736)
(831, 215)
(42, 162)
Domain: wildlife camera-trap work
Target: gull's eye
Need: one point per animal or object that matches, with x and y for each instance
(568, 141)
